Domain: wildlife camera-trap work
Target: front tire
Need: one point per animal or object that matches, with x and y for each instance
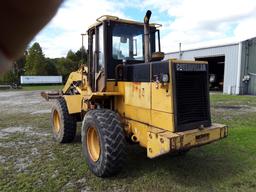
(103, 142)
(63, 124)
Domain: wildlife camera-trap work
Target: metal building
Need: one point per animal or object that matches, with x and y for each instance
(232, 67)
(248, 66)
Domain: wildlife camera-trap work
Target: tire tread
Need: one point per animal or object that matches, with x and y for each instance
(69, 122)
(114, 139)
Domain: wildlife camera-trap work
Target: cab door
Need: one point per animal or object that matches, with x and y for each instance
(97, 58)
(100, 78)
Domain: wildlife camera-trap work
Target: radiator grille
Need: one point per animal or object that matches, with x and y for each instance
(192, 99)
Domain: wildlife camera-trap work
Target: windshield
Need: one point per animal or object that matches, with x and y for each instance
(127, 42)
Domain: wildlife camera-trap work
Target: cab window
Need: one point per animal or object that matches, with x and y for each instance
(127, 42)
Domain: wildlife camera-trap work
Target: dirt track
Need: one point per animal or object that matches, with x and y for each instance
(19, 104)
(13, 102)
(15, 105)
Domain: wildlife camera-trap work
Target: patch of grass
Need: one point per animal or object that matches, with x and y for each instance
(219, 98)
(41, 87)
(227, 165)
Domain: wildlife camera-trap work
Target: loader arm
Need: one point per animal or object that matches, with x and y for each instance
(77, 80)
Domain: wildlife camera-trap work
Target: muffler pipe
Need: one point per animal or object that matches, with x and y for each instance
(147, 51)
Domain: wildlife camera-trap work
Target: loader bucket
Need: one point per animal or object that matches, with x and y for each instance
(51, 95)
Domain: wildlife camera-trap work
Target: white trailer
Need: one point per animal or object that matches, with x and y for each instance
(40, 80)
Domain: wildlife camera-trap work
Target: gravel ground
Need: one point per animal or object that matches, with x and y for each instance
(15, 105)
(13, 102)
(31, 161)
(25, 140)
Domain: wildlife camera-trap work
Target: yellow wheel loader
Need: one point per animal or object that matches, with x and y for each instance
(128, 93)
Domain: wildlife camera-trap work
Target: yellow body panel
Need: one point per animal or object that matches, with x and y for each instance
(74, 103)
(110, 86)
(138, 94)
(136, 105)
(162, 97)
(137, 114)
(120, 87)
(162, 120)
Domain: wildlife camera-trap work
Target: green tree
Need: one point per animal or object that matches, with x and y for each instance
(82, 55)
(35, 62)
(72, 61)
(9, 77)
(65, 67)
(72, 56)
(51, 67)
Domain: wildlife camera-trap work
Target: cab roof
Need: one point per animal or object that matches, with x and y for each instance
(103, 18)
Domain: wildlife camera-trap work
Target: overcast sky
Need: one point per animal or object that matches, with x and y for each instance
(194, 23)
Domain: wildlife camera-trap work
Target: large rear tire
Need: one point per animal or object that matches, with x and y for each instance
(103, 142)
(63, 124)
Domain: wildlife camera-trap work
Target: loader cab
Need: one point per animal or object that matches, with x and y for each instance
(112, 42)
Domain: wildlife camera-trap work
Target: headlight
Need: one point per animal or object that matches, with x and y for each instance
(165, 78)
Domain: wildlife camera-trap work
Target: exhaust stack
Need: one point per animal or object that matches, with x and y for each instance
(147, 50)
